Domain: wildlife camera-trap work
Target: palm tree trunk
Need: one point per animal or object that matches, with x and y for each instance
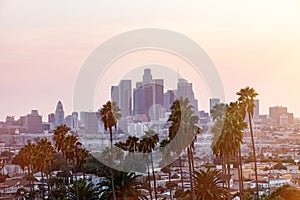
(241, 174)
(181, 174)
(191, 173)
(170, 181)
(254, 154)
(111, 160)
(43, 192)
(229, 177)
(153, 174)
(149, 180)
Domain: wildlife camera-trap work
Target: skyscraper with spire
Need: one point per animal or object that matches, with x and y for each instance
(59, 114)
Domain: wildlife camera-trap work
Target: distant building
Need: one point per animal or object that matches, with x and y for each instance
(51, 118)
(69, 121)
(256, 108)
(33, 122)
(121, 94)
(148, 97)
(59, 114)
(279, 115)
(212, 103)
(185, 90)
(169, 98)
(89, 122)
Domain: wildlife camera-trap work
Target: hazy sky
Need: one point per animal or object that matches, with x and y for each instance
(44, 43)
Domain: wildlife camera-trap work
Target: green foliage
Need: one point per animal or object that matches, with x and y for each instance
(127, 186)
(84, 191)
(208, 185)
(285, 193)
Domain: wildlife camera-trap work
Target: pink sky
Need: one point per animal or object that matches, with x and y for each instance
(43, 45)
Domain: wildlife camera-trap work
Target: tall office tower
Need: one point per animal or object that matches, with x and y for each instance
(75, 120)
(59, 114)
(69, 121)
(33, 122)
(169, 98)
(147, 77)
(256, 108)
(115, 94)
(89, 122)
(185, 90)
(121, 94)
(125, 97)
(148, 96)
(51, 118)
(212, 103)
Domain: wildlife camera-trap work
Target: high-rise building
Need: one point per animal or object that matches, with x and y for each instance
(33, 122)
(51, 118)
(115, 94)
(121, 94)
(148, 97)
(125, 97)
(75, 120)
(59, 114)
(212, 103)
(256, 108)
(185, 90)
(89, 122)
(169, 98)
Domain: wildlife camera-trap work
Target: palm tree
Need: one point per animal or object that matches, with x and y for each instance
(207, 186)
(27, 159)
(83, 190)
(246, 100)
(127, 187)
(44, 156)
(227, 136)
(147, 145)
(183, 132)
(59, 136)
(110, 114)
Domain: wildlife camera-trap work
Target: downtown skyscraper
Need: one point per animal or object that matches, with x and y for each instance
(59, 114)
(121, 94)
(148, 97)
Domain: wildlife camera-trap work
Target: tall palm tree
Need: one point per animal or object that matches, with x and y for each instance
(83, 190)
(147, 145)
(127, 187)
(207, 186)
(228, 136)
(59, 136)
(183, 132)
(110, 114)
(44, 156)
(27, 159)
(246, 100)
